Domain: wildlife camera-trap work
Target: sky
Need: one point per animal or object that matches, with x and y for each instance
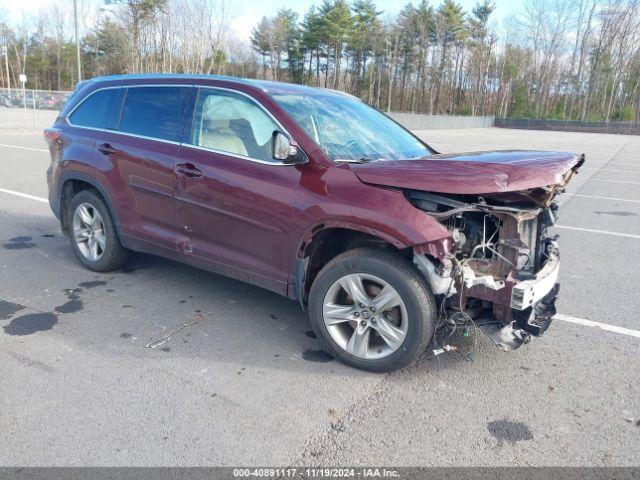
(247, 13)
(251, 11)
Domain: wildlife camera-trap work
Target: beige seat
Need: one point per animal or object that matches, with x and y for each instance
(218, 135)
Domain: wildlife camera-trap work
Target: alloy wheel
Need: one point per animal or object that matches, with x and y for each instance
(365, 316)
(88, 232)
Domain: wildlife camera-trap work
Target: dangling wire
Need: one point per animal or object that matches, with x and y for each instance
(457, 320)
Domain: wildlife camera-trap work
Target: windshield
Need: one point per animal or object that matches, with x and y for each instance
(348, 129)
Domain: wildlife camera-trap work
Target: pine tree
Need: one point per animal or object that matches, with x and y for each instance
(260, 36)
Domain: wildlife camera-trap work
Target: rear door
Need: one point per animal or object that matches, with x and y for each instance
(143, 152)
(96, 113)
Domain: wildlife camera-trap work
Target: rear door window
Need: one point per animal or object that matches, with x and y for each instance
(93, 112)
(154, 112)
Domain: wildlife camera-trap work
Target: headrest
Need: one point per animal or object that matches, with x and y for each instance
(216, 124)
(219, 110)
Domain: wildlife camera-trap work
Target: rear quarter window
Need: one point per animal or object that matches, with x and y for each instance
(94, 110)
(153, 112)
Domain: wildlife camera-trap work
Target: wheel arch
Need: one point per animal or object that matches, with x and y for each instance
(72, 182)
(326, 240)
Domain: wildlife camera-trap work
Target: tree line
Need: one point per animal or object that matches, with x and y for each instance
(558, 59)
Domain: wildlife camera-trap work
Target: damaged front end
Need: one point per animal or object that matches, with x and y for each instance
(499, 268)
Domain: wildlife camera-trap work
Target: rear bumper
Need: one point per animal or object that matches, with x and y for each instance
(54, 197)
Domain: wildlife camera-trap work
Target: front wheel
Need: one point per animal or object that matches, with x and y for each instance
(372, 310)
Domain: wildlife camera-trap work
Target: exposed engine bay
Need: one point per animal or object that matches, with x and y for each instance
(500, 266)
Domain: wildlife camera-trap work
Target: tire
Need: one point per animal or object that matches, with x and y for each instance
(111, 255)
(378, 270)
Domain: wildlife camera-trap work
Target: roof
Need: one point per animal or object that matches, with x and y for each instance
(264, 85)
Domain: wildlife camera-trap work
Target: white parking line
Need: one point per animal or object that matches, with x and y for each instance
(613, 163)
(601, 326)
(603, 232)
(611, 170)
(601, 198)
(611, 181)
(24, 148)
(24, 195)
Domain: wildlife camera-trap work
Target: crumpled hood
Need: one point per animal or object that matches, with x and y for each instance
(472, 173)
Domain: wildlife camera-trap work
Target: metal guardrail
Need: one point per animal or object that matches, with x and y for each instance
(619, 128)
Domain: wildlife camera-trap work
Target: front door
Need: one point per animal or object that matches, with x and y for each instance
(234, 202)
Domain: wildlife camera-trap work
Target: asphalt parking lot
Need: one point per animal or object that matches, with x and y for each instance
(245, 382)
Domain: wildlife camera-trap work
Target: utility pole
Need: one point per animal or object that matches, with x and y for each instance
(75, 20)
(5, 51)
(23, 81)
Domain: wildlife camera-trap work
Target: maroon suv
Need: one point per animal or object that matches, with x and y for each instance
(314, 195)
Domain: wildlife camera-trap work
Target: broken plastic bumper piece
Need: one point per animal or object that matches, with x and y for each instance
(529, 292)
(532, 307)
(532, 321)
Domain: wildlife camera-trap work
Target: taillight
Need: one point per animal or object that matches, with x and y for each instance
(51, 135)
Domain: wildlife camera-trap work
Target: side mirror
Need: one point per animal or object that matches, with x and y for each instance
(286, 151)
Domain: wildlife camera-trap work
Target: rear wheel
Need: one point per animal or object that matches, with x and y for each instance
(92, 233)
(372, 310)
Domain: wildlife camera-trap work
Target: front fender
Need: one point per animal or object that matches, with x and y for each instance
(420, 232)
(388, 216)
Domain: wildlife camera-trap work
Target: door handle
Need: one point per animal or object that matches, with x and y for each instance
(106, 149)
(188, 170)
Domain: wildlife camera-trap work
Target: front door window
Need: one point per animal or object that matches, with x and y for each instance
(232, 123)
